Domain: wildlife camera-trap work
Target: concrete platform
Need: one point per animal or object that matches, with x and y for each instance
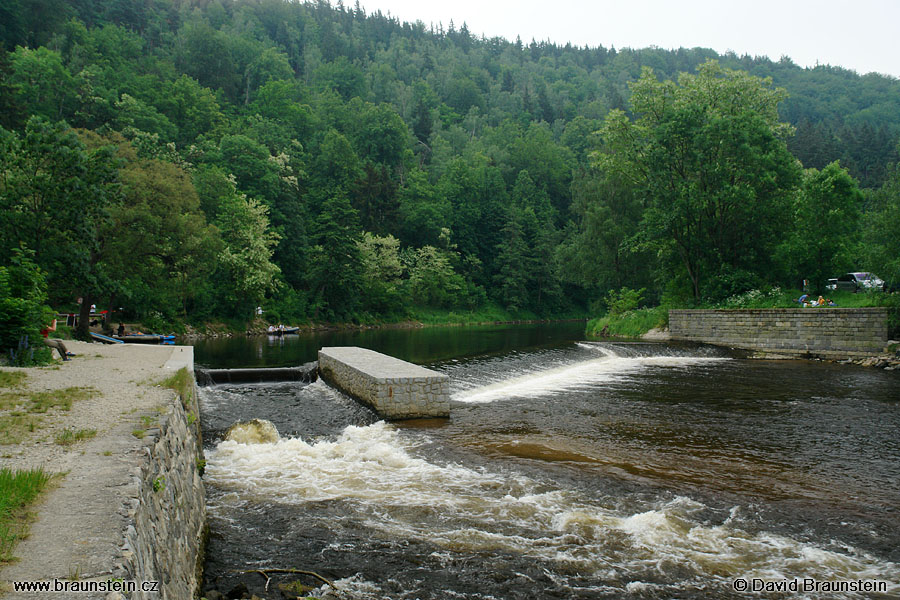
(394, 388)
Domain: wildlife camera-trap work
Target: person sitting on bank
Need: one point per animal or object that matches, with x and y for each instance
(803, 299)
(55, 343)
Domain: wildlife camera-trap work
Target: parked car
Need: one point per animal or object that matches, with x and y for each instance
(860, 281)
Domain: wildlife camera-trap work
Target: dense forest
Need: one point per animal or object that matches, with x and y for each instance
(190, 160)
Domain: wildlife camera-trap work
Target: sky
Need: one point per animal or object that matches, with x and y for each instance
(859, 34)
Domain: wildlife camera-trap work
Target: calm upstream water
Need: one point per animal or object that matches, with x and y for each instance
(568, 469)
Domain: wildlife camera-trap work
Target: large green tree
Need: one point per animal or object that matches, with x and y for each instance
(826, 226)
(56, 196)
(708, 158)
(249, 244)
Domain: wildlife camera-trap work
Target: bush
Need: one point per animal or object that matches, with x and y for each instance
(623, 301)
(633, 323)
(23, 312)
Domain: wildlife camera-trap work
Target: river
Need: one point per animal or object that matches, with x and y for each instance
(567, 469)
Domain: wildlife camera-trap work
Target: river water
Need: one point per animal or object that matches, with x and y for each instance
(568, 469)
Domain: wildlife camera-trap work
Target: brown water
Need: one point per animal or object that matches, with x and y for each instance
(569, 470)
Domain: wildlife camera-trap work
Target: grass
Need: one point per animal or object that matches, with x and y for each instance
(69, 436)
(12, 379)
(21, 410)
(633, 323)
(15, 427)
(41, 402)
(18, 491)
(490, 313)
(183, 384)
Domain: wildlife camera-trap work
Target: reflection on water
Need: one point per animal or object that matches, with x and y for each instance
(418, 345)
(579, 470)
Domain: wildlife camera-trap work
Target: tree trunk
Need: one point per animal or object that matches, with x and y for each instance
(82, 332)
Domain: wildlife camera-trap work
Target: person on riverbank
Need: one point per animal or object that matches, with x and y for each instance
(55, 343)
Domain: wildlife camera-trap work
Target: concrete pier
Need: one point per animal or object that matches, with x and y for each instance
(394, 388)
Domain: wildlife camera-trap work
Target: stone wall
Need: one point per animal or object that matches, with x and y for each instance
(827, 332)
(164, 541)
(394, 388)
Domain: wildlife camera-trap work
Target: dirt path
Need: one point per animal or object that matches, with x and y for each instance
(78, 533)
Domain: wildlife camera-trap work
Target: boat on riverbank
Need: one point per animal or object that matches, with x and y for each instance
(284, 331)
(145, 338)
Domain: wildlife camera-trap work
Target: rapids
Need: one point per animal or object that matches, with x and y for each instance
(582, 470)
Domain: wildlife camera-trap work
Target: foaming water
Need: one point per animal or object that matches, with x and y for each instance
(559, 380)
(374, 474)
(578, 471)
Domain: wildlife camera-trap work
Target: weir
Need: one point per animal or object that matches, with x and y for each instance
(306, 373)
(394, 388)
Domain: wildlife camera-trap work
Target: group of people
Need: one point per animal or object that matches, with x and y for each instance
(805, 301)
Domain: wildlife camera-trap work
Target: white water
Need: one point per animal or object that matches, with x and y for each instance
(547, 382)
(378, 477)
(374, 473)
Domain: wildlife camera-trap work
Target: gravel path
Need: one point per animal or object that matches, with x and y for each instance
(79, 527)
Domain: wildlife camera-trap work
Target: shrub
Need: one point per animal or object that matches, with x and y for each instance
(626, 299)
(23, 294)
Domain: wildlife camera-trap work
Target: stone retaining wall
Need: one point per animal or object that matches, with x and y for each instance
(394, 388)
(165, 538)
(827, 332)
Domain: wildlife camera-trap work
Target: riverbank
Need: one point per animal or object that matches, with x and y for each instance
(260, 327)
(113, 443)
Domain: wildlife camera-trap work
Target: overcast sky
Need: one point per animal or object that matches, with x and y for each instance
(857, 34)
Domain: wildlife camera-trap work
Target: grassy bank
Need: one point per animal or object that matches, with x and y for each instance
(483, 315)
(18, 491)
(633, 323)
(488, 314)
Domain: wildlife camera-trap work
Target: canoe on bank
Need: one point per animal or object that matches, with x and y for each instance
(105, 338)
(144, 338)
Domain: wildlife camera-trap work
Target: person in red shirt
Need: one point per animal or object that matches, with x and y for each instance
(55, 343)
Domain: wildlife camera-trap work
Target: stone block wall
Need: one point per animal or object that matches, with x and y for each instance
(165, 538)
(827, 332)
(395, 389)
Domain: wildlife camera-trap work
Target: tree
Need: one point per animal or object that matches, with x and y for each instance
(381, 272)
(513, 263)
(42, 82)
(249, 245)
(23, 309)
(432, 280)
(881, 234)
(708, 157)
(56, 196)
(826, 225)
(335, 271)
(157, 241)
(10, 109)
(191, 107)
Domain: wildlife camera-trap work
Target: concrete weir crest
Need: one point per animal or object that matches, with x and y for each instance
(394, 388)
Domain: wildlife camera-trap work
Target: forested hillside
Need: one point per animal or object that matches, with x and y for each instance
(194, 160)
